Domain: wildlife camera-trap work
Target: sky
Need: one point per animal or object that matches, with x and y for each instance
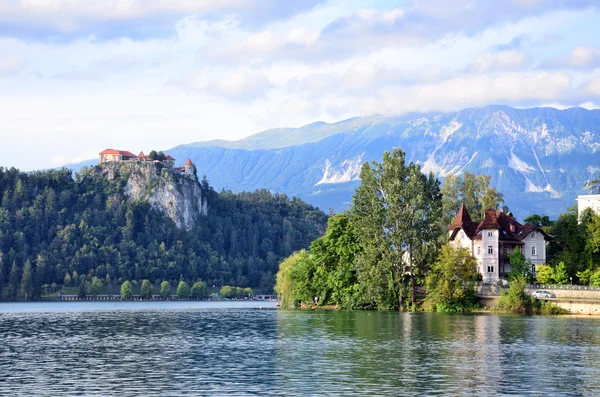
(79, 76)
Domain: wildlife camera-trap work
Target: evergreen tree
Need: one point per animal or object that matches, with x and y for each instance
(27, 281)
(13, 281)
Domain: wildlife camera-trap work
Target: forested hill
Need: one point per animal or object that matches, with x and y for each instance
(56, 227)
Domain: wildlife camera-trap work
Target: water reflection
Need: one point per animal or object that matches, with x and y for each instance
(203, 350)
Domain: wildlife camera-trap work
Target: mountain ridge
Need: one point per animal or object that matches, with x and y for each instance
(539, 158)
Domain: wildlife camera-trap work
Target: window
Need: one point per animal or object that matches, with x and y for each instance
(478, 250)
(490, 234)
(490, 250)
(533, 235)
(490, 269)
(533, 251)
(533, 269)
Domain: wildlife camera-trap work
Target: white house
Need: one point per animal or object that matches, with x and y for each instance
(492, 240)
(588, 201)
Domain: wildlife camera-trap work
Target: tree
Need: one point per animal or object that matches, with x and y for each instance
(248, 293)
(153, 155)
(396, 209)
(285, 285)
(451, 280)
(126, 290)
(544, 274)
(227, 292)
(520, 267)
(81, 292)
(199, 290)
(538, 220)
(94, 287)
(27, 281)
(183, 290)
(165, 290)
(13, 282)
(146, 289)
(560, 274)
(474, 191)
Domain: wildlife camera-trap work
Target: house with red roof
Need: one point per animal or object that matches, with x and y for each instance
(492, 240)
(124, 155)
(116, 155)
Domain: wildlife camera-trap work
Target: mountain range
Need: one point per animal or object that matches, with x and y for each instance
(539, 158)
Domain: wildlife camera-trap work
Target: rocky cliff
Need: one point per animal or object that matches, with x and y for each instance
(175, 194)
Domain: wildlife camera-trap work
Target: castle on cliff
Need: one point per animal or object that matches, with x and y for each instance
(114, 155)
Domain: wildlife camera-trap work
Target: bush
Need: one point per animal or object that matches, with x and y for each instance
(515, 300)
(227, 292)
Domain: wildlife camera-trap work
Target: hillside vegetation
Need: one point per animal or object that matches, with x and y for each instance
(56, 228)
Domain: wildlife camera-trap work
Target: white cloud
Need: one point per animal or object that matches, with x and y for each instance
(582, 57)
(501, 60)
(9, 64)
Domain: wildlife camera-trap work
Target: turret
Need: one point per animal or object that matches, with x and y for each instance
(189, 167)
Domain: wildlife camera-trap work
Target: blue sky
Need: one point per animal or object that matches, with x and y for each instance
(78, 76)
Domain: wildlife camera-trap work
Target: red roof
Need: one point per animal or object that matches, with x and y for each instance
(493, 220)
(189, 162)
(168, 157)
(121, 152)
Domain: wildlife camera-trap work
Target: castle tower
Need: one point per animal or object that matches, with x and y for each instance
(189, 167)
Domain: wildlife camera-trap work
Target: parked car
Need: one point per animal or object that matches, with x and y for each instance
(543, 294)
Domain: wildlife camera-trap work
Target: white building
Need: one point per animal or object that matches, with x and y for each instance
(588, 201)
(492, 240)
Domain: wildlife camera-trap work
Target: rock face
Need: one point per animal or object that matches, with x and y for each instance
(175, 194)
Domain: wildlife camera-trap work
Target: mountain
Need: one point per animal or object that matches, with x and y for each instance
(539, 158)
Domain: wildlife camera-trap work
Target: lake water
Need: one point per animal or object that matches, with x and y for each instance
(250, 348)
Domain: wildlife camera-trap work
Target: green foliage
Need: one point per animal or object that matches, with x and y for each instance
(515, 300)
(146, 290)
(199, 290)
(94, 287)
(548, 308)
(450, 282)
(227, 292)
(538, 220)
(285, 285)
(27, 281)
(183, 290)
(560, 275)
(165, 289)
(126, 290)
(395, 212)
(595, 278)
(520, 267)
(474, 191)
(544, 274)
(13, 282)
(570, 243)
(247, 292)
(85, 226)
(81, 294)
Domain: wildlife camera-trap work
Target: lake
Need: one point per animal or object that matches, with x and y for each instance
(251, 348)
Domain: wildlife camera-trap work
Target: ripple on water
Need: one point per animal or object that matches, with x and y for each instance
(175, 350)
